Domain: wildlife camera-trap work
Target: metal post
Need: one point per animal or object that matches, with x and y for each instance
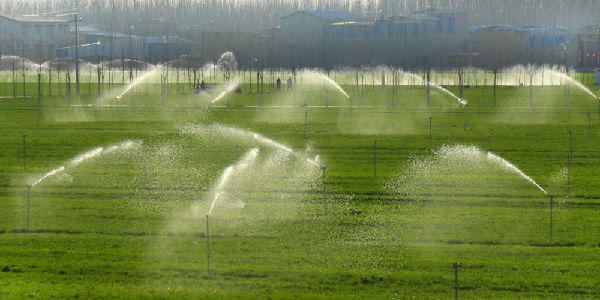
(162, 89)
(428, 83)
(530, 95)
(305, 118)
(39, 86)
(430, 133)
(145, 173)
(324, 191)
(456, 266)
(571, 145)
(566, 100)
(76, 19)
(24, 152)
(589, 125)
(375, 158)
(69, 88)
(551, 204)
(207, 247)
(326, 95)
(28, 190)
(568, 177)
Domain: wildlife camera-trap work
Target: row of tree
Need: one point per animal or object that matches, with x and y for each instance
(259, 15)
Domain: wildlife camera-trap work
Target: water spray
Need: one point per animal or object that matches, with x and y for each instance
(505, 164)
(461, 102)
(229, 88)
(242, 164)
(575, 82)
(135, 83)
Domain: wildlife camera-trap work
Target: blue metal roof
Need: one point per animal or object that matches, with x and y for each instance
(332, 14)
(437, 13)
(541, 30)
(496, 27)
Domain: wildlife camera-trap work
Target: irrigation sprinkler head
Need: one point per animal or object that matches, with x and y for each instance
(118, 97)
(456, 265)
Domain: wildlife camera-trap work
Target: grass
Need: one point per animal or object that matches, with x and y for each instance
(123, 224)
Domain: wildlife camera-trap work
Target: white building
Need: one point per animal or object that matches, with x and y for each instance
(35, 38)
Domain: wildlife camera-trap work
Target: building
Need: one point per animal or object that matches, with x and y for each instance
(506, 45)
(35, 38)
(149, 49)
(300, 38)
(588, 47)
(423, 39)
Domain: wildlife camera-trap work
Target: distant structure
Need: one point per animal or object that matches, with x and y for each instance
(101, 46)
(588, 47)
(424, 38)
(441, 38)
(506, 45)
(33, 37)
(300, 39)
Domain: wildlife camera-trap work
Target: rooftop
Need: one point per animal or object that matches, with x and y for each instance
(34, 19)
(328, 14)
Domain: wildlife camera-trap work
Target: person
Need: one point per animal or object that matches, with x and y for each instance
(278, 84)
(289, 83)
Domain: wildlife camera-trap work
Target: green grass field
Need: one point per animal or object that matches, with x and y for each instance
(387, 220)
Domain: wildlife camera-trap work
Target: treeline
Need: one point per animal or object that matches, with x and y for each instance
(259, 15)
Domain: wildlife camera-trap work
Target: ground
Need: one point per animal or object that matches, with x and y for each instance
(131, 223)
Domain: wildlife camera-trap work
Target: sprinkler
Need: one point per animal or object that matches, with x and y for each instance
(456, 266)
